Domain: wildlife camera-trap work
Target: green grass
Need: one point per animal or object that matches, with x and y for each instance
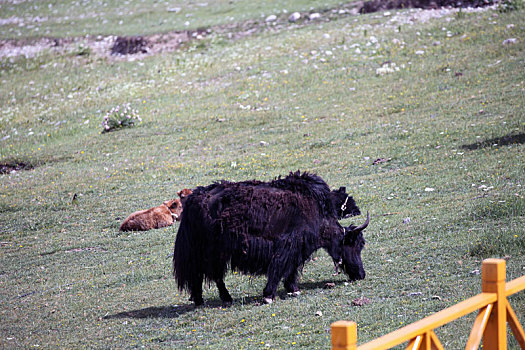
(451, 119)
(137, 17)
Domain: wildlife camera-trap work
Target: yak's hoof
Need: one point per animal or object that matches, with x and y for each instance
(227, 300)
(268, 300)
(295, 294)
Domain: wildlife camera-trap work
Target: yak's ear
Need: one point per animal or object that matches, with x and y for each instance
(342, 189)
(352, 231)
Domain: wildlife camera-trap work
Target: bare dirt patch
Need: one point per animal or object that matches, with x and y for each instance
(13, 166)
(110, 47)
(125, 45)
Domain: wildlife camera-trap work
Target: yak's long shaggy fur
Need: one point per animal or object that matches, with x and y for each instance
(257, 228)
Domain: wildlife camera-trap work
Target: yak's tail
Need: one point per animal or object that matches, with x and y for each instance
(185, 254)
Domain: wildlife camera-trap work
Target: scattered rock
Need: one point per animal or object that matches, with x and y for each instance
(294, 17)
(271, 18)
(361, 301)
(318, 313)
(87, 249)
(329, 285)
(435, 297)
(510, 41)
(313, 16)
(381, 160)
(387, 68)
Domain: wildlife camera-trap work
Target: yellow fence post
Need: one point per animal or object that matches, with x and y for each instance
(493, 281)
(344, 335)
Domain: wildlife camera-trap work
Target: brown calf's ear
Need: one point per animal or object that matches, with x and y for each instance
(172, 203)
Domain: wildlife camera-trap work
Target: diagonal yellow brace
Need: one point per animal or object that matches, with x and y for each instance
(435, 344)
(515, 326)
(478, 328)
(415, 343)
(427, 341)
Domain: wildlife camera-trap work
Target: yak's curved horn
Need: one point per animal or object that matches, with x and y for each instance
(363, 226)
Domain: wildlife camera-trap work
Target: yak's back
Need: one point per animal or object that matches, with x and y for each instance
(225, 193)
(309, 185)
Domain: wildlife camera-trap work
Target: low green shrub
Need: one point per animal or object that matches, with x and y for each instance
(120, 117)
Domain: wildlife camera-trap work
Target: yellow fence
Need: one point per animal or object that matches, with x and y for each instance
(490, 324)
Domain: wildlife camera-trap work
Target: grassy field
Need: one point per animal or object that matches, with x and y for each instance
(441, 101)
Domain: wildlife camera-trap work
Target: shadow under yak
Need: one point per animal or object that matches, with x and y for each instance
(175, 311)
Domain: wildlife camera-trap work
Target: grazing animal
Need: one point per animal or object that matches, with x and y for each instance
(157, 217)
(264, 228)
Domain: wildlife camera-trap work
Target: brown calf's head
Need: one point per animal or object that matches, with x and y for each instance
(175, 206)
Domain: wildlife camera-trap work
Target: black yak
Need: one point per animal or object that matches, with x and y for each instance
(264, 228)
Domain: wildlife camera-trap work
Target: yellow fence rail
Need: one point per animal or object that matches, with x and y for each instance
(490, 324)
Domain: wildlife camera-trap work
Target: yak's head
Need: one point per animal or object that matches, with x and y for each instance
(353, 243)
(343, 203)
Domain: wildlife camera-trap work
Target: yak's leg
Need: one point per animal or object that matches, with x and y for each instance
(196, 291)
(290, 283)
(223, 292)
(277, 269)
(274, 276)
